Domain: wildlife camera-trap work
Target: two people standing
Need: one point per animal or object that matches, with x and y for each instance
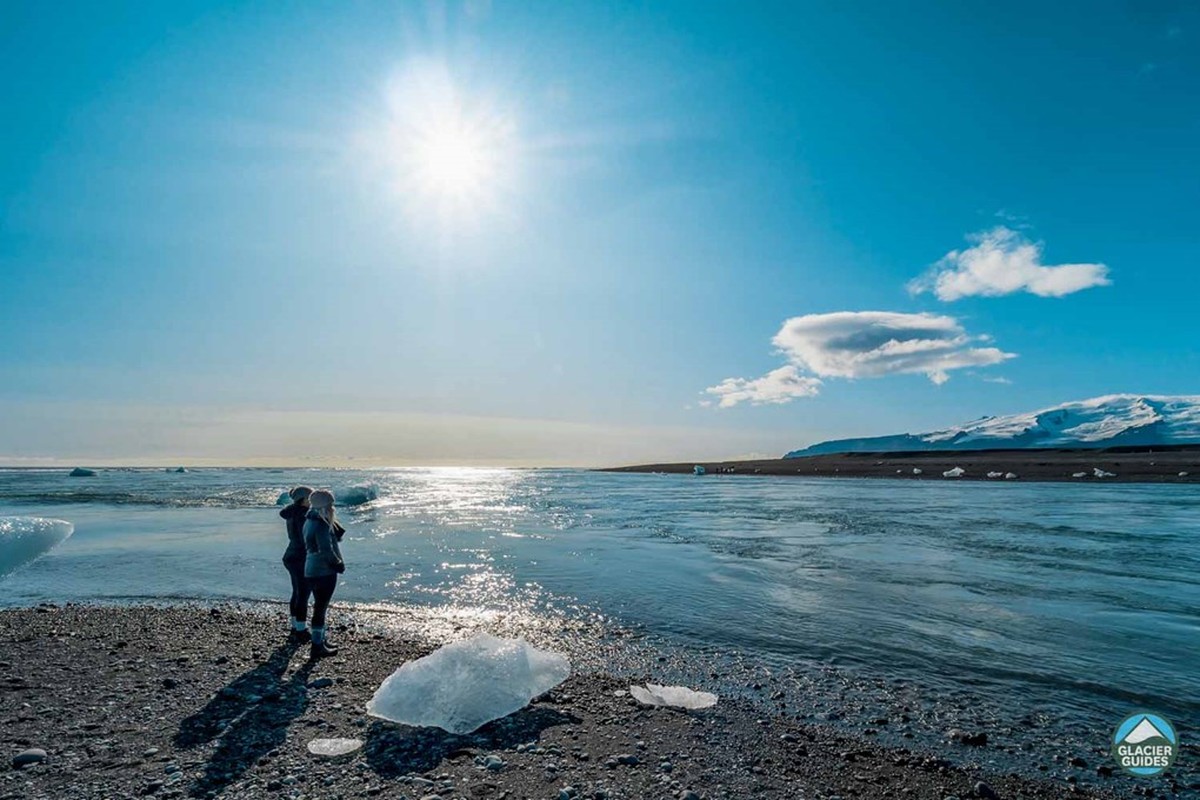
(313, 559)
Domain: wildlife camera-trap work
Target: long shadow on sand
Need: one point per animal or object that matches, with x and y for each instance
(250, 716)
(393, 750)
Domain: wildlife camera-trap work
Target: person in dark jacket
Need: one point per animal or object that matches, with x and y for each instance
(293, 560)
(322, 564)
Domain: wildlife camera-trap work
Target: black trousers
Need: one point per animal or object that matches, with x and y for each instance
(322, 589)
(301, 591)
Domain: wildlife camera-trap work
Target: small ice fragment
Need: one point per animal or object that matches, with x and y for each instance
(1078, 474)
(1099, 473)
(995, 474)
(917, 470)
(957, 472)
(1183, 474)
(333, 747)
(679, 696)
(467, 684)
(698, 470)
(1010, 476)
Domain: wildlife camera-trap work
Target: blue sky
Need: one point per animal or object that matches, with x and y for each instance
(224, 236)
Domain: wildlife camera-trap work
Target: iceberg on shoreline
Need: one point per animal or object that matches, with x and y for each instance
(25, 539)
(678, 696)
(467, 684)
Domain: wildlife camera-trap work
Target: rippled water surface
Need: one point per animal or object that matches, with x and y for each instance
(1081, 598)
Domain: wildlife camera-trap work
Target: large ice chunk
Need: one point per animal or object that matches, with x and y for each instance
(23, 539)
(680, 696)
(466, 684)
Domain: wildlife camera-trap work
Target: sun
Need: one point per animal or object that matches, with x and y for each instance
(449, 147)
(453, 160)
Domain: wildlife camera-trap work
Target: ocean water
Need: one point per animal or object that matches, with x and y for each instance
(1053, 607)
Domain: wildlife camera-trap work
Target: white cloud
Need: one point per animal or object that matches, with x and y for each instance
(860, 344)
(777, 386)
(1001, 262)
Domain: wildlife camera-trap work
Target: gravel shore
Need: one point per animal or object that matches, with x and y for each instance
(210, 702)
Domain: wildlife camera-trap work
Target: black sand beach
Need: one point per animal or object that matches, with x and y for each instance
(1121, 465)
(209, 702)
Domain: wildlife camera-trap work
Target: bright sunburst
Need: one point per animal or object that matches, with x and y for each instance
(452, 159)
(451, 146)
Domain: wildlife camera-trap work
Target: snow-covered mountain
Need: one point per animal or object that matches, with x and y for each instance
(1110, 421)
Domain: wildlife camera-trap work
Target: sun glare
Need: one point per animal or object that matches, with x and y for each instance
(452, 145)
(453, 160)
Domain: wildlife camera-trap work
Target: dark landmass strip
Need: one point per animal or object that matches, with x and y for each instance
(197, 702)
(1168, 464)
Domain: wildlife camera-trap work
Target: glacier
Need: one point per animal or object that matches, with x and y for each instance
(1117, 420)
(25, 539)
(466, 684)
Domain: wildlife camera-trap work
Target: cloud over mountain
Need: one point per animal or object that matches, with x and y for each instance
(859, 344)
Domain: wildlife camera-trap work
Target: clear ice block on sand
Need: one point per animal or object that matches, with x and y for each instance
(467, 684)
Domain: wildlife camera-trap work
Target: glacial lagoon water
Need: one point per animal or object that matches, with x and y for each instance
(1053, 606)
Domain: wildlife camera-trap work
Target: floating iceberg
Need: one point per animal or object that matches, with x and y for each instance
(957, 472)
(995, 474)
(467, 684)
(80, 472)
(698, 470)
(1010, 476)
(1099, 473)
(333, 747)
(23, 539)
(350, 495)
(1078, 474)
(679, 696)
(917, 470)
(356, 495)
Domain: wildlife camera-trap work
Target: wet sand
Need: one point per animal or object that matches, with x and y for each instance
(210, 702)
(1123, 465)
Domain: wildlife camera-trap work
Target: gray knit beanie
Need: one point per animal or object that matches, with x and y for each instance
(321, 498)
(300, 493)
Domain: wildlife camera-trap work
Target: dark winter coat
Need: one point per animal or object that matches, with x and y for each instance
(323, 556)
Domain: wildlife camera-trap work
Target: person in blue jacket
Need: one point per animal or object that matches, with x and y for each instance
(322, 564)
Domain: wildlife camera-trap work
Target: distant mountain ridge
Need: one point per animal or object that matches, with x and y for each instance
(1111, 421)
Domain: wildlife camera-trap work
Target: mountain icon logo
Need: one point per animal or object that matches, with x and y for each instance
(1145, 744)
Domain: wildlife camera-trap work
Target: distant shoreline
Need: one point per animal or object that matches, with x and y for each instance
(1121, 465)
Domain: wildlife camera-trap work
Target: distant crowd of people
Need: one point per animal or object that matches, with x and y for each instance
(314, 560)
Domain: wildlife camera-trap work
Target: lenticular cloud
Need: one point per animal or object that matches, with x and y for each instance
(860, 344)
